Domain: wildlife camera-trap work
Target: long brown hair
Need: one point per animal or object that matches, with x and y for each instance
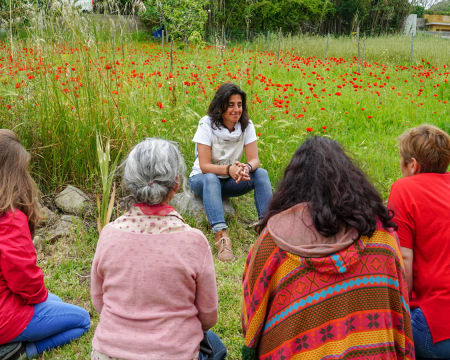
(17, 188)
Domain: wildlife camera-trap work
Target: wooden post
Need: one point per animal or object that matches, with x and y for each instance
(364, 53)
(162, 41)
(171, 54)
(359, 50)
(223, 41)
(279, 44)
(412, 48)
(326, 47)
(10, 31)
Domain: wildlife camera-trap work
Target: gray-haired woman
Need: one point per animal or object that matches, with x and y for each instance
(152, 278)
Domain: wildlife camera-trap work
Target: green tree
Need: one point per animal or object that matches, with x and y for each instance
(180, 18)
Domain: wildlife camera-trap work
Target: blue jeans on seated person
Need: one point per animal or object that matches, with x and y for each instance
(54, 323)
(219, 351)
(423, 342)
(211, 189)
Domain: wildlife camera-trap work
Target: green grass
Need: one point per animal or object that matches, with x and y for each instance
(72, 79)
(67, 262)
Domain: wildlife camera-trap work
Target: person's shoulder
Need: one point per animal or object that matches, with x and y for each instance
(205, 121)
(250, 124)
(13, 217)
(196, 235)
(420, 180)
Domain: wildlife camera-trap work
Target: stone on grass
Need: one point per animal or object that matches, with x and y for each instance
(188, 203)
(64, 226)
(38, 242)
(72, 201)
(46, 215)
(58, 226)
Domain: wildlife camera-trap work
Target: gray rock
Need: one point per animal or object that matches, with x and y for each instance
(46, 215)
(72, 201)
(64, 226)
(56, 228)
(38, 242)
(188, 203)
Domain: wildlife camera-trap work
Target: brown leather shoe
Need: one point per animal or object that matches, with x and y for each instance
(224, 251)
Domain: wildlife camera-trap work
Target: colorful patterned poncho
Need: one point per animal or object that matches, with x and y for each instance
(352, 304)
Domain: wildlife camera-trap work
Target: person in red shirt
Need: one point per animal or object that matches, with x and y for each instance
(421, 204)
(32, 320)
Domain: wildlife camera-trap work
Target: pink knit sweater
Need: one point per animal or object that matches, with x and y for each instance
(155, 293)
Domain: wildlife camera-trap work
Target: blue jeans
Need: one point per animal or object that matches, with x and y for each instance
(423, 342)
(212, 189)
(54, 323)
(219, 350)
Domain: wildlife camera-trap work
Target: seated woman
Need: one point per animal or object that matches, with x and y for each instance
(421, 204)
(325, 278)
(32, 320)
(221, 138)
(152, 278)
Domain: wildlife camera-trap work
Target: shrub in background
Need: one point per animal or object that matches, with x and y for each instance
(180, 18)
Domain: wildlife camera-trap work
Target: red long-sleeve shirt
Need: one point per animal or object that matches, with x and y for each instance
(21, 280)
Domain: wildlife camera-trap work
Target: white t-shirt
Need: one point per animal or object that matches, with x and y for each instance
(206, 135)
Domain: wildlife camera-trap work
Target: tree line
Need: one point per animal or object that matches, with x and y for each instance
(244, 19)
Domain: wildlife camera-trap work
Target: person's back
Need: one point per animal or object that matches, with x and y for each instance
(421, 204)
(325, 278)
(322, 302)
(152, 277)
(158, 290)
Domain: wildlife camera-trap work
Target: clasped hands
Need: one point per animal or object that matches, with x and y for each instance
(240, 172)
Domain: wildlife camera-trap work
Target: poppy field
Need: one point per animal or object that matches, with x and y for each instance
(57, 95)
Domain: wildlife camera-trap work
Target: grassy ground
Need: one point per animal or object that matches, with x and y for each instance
(67, 262)
(63, 85)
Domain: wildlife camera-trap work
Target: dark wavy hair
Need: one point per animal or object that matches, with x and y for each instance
(338, 193)
(220, 104)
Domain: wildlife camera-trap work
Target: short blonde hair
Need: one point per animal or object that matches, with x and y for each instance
(429, 145)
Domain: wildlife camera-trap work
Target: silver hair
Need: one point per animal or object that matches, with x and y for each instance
(152, 170)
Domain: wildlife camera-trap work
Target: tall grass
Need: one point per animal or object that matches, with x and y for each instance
(384, 49)
(69, 80)
(72, 78)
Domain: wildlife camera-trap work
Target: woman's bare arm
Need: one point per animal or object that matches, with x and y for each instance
(408, 256)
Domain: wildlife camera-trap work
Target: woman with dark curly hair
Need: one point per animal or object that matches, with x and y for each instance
(220, 141)
(325, 278)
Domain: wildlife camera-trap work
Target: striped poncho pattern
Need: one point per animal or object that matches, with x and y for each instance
(350, 305)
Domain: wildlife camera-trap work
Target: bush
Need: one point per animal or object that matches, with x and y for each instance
(418, 10)
(180, 18)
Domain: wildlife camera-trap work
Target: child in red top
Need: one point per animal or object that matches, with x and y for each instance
(421, 203)
(29, 314)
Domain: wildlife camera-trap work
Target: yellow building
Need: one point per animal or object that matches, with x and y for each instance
(437, 22)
